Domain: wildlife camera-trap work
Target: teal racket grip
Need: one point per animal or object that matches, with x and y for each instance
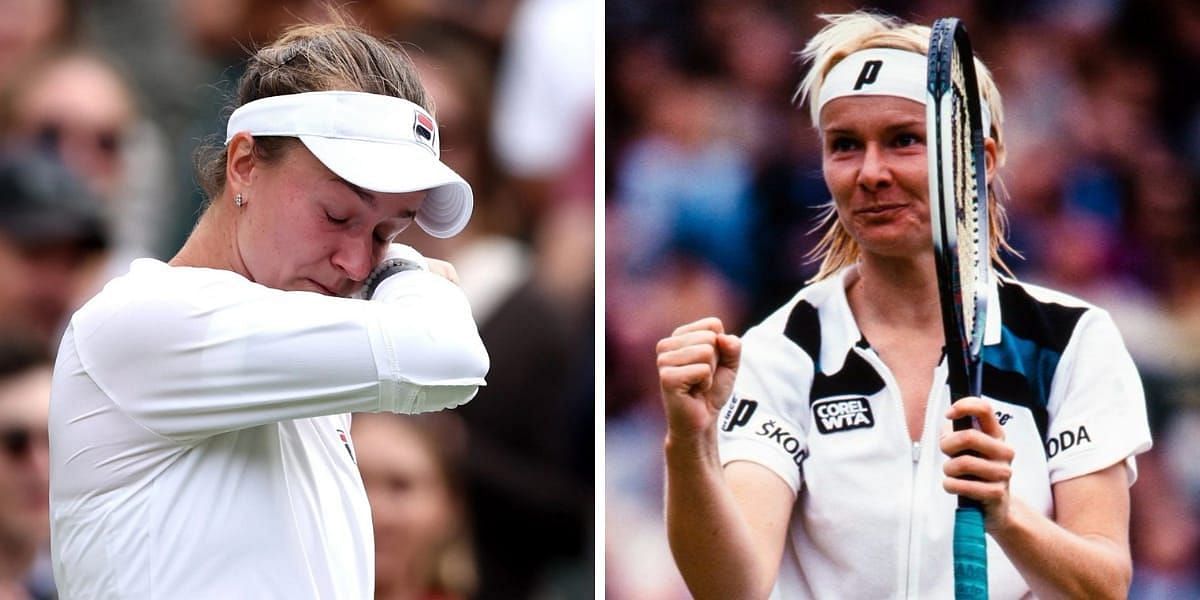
(970, 555)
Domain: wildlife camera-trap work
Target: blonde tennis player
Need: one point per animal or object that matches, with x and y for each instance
(199, 424)
(812, 457)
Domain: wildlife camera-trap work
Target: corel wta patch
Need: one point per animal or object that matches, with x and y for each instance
(842, 414)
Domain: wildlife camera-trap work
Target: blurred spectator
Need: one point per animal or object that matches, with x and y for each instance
(529, 499)
(638, 561)
(412, 467)
(76, 107)
(52, 242)
(545, 94)
(24, 470)
(544, 139)
(30, 27)
(685, 184)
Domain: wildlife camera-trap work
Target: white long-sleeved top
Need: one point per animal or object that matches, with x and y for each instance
(200, 430)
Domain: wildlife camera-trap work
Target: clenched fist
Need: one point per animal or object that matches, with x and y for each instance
(696, 369)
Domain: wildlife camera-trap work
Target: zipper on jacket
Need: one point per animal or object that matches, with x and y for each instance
(909, 589)
(921, 489)
(912, 516)
(872, 357)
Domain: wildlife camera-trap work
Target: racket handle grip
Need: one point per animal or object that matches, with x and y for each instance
(963, 423)
(970, 555)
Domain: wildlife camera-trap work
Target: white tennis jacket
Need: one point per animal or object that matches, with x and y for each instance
(817, 406)
(200, 438)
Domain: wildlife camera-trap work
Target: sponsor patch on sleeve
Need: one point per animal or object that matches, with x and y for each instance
(738, 413)
(786, 439)
(1068, 439)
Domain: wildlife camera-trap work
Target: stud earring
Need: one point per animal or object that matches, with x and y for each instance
(238, 200)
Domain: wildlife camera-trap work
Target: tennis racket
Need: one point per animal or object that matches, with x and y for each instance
(958, 211)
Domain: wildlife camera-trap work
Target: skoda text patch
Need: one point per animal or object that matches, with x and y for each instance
(787, 440)
(843, 414)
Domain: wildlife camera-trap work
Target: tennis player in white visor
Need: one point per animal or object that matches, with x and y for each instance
(200, 418)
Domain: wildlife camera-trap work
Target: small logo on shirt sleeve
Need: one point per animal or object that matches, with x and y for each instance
(738, 413)
(843, 414)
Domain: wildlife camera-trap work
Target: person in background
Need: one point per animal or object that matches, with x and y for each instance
(412, 467)
(24, 470)
(526, 499)
(30, 27)
(53, 240)
(79, 108)
(73, 105)
(546, 100)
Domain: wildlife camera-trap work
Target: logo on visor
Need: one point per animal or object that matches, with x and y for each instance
(423, 127)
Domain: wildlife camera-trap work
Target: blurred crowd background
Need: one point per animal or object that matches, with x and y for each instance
(101, 106)
(713, 180)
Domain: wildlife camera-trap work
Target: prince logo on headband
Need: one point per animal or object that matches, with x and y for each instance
(861, 74)
(870, 70)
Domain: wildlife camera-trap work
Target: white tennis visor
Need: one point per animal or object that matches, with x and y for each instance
(379, 143)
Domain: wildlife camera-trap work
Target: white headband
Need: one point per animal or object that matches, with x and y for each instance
(882, 72)
(379, 143)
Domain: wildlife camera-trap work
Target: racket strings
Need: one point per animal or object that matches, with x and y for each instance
(966, 189)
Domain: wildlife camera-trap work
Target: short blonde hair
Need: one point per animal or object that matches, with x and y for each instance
(844, 35)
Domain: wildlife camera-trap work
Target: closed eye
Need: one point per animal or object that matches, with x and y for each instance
(335, 220)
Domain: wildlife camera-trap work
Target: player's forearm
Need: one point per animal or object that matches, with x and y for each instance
(429, 327)
(709, 537)
(1058, 563)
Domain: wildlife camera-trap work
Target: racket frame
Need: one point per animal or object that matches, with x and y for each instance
(963, 348)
